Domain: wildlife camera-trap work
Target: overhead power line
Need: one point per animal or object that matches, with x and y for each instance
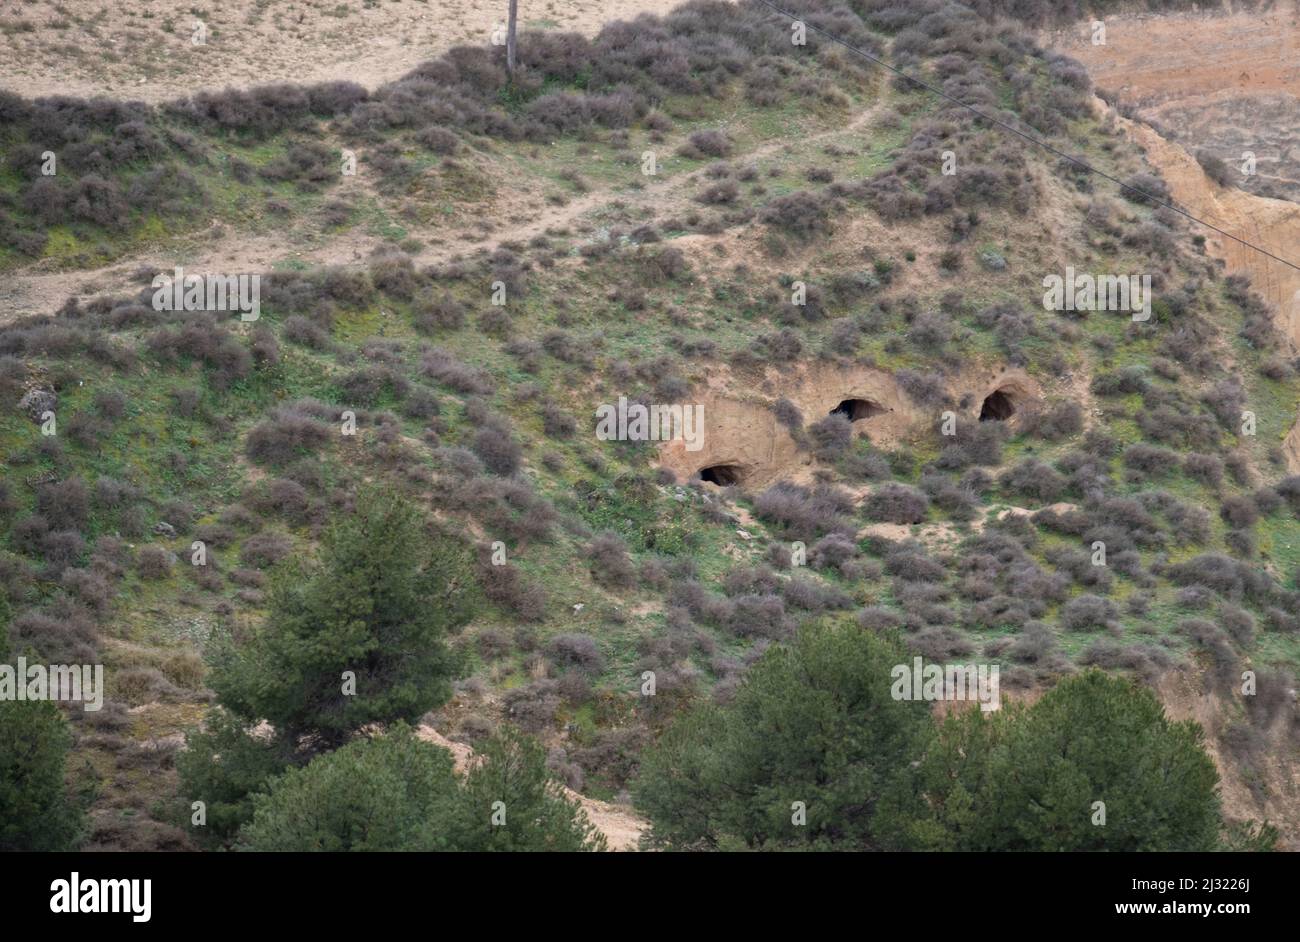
(1038, 142)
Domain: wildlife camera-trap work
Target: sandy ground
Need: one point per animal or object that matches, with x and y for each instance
(1194, 58)
(621, 827)
(1225, 83)
(144, 48)
(1228, 84)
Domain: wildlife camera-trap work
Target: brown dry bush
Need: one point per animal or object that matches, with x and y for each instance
(1089, 613)
(506, 586)
(801, 214)
(708, 143)
(442, 367)
(444, 312)
(610, 564)
(896, 503)
(65, 505)
(153, 562)
(262, 550)
(575, 650)
(291, 432)
(798, 512)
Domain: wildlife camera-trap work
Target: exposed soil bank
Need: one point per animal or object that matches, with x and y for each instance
(1226, 83)
(744, 443)
(1271, 224)
(1217, 82)
(1268, 791)
(145, 49)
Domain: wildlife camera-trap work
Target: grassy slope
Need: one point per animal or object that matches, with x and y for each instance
(159, 623)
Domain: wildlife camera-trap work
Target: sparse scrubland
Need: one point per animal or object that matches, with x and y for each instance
(393, 481)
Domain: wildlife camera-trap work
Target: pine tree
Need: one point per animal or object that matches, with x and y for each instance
(35, 810)
(373, 612)
(812, 727)
(387, 793)
(1094, 765)
(510, 802)
(393, 792)
(355, 637)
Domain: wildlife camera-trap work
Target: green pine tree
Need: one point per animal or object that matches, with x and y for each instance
(387, 793)
(1030, 777)
(510, 802)
(379, 603)
(36, 812)
(813, 723)
(223, 765)
(396, 793)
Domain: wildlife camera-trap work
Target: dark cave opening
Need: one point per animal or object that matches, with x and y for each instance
(997, 407)
(723, 475)
(855, 410)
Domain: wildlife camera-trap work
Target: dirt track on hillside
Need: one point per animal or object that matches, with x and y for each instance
(621, 827)
(33, 291)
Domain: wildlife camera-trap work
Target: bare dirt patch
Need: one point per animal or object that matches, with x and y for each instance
(1226, 83)
(144, 49)
(622, 828)
(743, 440)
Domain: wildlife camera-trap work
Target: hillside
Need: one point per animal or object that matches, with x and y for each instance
(898, 437)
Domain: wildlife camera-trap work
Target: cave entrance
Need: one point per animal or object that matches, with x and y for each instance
(723, 475)
(997, 407)
(855, 410)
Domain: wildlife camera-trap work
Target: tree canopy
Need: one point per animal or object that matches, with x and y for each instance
(1093, 765)
(378, 605)
(354, 637)
(36, 812)
(395, 792)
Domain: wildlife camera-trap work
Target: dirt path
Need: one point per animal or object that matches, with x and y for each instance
(31, 291)
(23, 294)
(622, 828)
(666, 195)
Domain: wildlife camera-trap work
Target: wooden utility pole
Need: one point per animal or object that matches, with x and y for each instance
(510, 37)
